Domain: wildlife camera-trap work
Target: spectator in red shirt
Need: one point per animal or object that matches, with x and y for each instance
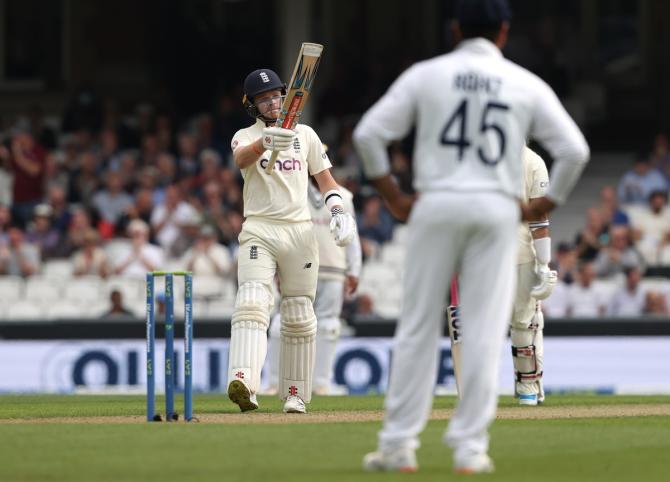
(27, 160)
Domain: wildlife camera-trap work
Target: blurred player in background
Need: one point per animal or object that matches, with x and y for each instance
(473, 111)
(535, 282)
(339, 271)
(278, 238)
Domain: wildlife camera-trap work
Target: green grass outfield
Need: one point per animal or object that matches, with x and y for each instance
(66, 438)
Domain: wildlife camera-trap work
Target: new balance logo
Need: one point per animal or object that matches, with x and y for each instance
(307, 266)
(253, 252)
(264, 77)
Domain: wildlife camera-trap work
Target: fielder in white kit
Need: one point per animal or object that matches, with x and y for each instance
(278, 238)
(535, 282)
(339, 270)
(473, 111)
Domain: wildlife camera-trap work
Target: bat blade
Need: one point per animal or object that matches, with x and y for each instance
(454, 325)
(299, 88)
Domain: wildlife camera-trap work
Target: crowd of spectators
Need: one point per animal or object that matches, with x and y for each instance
(166, 187)
(625, 237)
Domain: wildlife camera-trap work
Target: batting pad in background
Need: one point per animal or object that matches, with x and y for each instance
(571, 363)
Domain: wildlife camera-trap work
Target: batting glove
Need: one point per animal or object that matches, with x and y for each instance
(342, 227)
(277, 138)
(547, 282)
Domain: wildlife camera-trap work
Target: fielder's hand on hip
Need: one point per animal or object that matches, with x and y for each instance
(547, 282)
(536, 208)
(342, 227)
(277, 138)
(400, 206)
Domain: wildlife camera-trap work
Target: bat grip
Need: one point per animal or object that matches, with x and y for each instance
(454, 291)
(271, 162)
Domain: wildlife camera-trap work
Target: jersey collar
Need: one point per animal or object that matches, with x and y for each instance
(479, 46)
(259, 125)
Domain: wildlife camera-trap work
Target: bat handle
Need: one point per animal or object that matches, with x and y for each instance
(271, 162)
(454, 291)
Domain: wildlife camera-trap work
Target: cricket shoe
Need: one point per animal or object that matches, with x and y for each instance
(474, 464)
(294, 404)
(528, 399)
(239, 393)
(400, 460)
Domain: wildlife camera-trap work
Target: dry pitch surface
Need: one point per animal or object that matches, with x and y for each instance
(544, 412)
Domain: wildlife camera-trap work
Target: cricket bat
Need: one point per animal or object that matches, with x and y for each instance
(454, 324)
(298, 90)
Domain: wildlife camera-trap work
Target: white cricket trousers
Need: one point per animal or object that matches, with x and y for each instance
(473, 234)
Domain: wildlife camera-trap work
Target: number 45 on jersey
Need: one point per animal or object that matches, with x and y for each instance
(454, 132)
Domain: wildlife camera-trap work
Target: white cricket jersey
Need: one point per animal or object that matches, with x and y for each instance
(332, 258)
(281, 195)
(473, 112)
(536, 183)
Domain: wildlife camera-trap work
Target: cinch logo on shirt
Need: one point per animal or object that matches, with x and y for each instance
(285, 165)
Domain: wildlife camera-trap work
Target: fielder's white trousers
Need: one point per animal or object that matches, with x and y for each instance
(473, 234)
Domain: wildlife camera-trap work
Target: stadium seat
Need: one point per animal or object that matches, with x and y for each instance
(229, 290)
(43, 288)
(116, 249)
(11, 288)
(24, 310)
(65, 309)
(97, 308)
(199, 309)
(138, 308)
(372, 290)
(664, 257)
(132, 289)
(660, 285)
(83, 289)
(392, 292)
(378, 274)
(388, 301)
(388, 308)
(207, 287)
(607, 287)
(393, 256)
(58, 268)
(219, 309)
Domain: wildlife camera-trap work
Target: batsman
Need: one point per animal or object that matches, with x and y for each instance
(535, 282)
(278, 238)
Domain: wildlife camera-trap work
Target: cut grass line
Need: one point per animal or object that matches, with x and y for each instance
(348, 416)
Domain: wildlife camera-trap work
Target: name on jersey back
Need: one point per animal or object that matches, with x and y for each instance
(475, 82)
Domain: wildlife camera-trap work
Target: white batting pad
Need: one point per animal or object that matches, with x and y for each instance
(327, 334)
(248, 334)
(298, 343)
(528, 354)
